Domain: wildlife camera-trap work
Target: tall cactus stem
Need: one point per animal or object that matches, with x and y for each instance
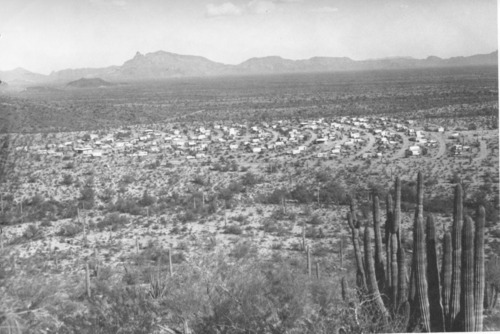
(435, 306)
(421, 315)
(456, 242)
(389, 207)
(353, 206)
(345, 289)
(411, 289)
(87, 280)
(309, 264)
(402, 274)
(396, 222)
(341, 253)
(379, 259)
(388, 229)
(446, 269)
(371, 277)
(467, 291)
(360, 271)
(479, 278)
(394, 269)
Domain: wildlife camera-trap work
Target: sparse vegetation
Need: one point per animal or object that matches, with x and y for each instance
(204, 220)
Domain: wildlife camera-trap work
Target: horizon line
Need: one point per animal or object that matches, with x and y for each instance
(262, 57)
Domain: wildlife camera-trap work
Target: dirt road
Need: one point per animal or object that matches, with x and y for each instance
(275, 136)
(401, 153)
(442, 144)
(367, 147)
(311, 139)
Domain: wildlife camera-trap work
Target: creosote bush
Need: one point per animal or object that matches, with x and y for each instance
(233, 229)
(113, 221)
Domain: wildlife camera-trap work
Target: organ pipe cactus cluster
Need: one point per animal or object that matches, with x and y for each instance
(430, 299)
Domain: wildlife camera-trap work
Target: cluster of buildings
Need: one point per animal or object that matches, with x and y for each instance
(340, 136)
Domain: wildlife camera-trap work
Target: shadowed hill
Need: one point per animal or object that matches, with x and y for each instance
(89, 83)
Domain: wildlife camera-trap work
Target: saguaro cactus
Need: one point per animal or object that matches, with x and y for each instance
(395, 243)
(379, 259)
(435, 307)
(479, 271)
(402, 275)
(446, 269)
(467, 321)
(360, 271)
(396, 221)
(389, 215)
(421, 312)
(371, 276)
(456, 241)
(394, 269)
(388, 229)
(345, 289)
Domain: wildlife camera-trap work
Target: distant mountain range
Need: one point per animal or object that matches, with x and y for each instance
(162, 65)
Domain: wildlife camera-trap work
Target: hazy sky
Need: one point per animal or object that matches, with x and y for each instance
(47, 35)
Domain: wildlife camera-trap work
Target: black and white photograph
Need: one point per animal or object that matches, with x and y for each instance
(249, 166)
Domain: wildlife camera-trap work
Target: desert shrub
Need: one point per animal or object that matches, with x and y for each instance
(187, 216)
(45, 223)
(279, 214)
(408, 192)
(272, 226)
(117, 310)
(302, 194)
(107, 195)
(70, 229)
(324, 176)
(126, 205)
(231, 190)
(492, 271)
(276, 245)
(199, 180)
(249, 179)
(275, 197)
(158, 254)
(67, 180)
(32, 232)
(256, 300)
(431, 181)
(489, 199)
(69, 209)
(128, 179)
(69, 165)
(233, 229)
(321, 250)
(131, 276)
(87, 194)
(439, 204)
(378, 189)
(313, 233)
(112, 220)
(243, 249)
(315, 220)
(455, 178)
(147, 199)
(239, 218)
